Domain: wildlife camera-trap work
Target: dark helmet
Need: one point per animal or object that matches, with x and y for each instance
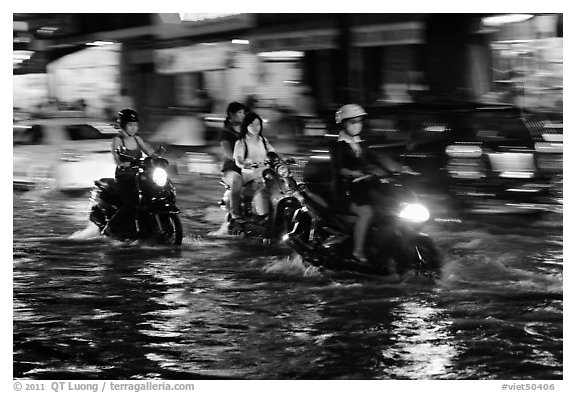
(126, 116)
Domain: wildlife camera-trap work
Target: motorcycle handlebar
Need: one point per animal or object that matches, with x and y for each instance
(128, 158)
(385, 179)
(135, 162)
(256, 165)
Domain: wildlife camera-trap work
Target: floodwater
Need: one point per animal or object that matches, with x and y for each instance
(86, 307)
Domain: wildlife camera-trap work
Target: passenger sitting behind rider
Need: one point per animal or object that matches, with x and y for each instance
(351, 160)
(231, 173)
(123, 222)
(250, 154)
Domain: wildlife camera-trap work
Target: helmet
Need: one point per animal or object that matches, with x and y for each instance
(126, 116)
(349, 111)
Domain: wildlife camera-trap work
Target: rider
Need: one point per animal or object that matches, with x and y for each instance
(132, 145)
(250, 153)
(352, 160)
(231, 173)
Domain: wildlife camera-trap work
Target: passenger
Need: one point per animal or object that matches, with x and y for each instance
(250, 154)
(231, 173)
(351, 160)
(122, 224)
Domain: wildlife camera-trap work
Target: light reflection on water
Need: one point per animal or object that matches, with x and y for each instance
(427, 348)
(225, 308)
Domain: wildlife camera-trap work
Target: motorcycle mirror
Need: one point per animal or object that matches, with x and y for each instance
(160, 149)
(290, 161)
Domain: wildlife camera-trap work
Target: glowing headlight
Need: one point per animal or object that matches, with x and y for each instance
(283, 170)
(159, 176)
(414, 212)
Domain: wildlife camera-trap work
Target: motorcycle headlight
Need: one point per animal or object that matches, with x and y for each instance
(283, 170)
(414, 212)
(160, 176)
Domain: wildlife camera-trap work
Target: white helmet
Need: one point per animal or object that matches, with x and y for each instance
(349, 111)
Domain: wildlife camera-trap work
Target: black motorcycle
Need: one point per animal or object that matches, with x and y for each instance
(323, 232)
(282, 195)
(158, 219)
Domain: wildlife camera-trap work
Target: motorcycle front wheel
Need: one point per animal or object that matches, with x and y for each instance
(169, 230)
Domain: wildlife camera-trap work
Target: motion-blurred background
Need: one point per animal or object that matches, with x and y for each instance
(462, 97)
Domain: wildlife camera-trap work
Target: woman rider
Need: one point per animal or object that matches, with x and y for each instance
(250, 154)
(351, 159)
(122, 224)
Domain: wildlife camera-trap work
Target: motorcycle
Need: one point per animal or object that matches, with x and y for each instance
(323, 233)
(282, 194)
(158, 219)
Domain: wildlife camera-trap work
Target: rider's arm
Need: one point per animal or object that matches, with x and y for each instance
(146, 148)
(116, 143)
(269, 145)
(239, 152)
(390, 165)
(227, 149)
(385, 162)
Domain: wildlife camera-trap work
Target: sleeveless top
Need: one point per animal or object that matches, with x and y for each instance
(129, 172)
(134, 153)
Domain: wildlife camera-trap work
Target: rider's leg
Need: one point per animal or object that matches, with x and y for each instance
(361, 226)
(234, 180)
(260, 202)
(124, 219)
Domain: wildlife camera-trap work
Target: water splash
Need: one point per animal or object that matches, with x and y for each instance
(505, 272)
(292, 265)
(222, 233)
(92, 231)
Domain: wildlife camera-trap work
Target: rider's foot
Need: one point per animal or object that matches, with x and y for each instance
(236, 222)
(106, 231)
(262, 219)
(359, 256)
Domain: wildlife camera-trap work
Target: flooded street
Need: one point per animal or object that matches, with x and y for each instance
(87, 307)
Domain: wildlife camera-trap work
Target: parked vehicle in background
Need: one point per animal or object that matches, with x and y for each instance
(67, 153)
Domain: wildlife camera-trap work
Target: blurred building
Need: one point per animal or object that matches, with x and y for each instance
(183, 63)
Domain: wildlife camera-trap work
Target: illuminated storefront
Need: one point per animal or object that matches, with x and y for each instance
(527, 64)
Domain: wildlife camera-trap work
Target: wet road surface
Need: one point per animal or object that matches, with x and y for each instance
(87, 307)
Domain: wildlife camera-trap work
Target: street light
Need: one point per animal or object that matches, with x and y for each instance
(499, 20)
